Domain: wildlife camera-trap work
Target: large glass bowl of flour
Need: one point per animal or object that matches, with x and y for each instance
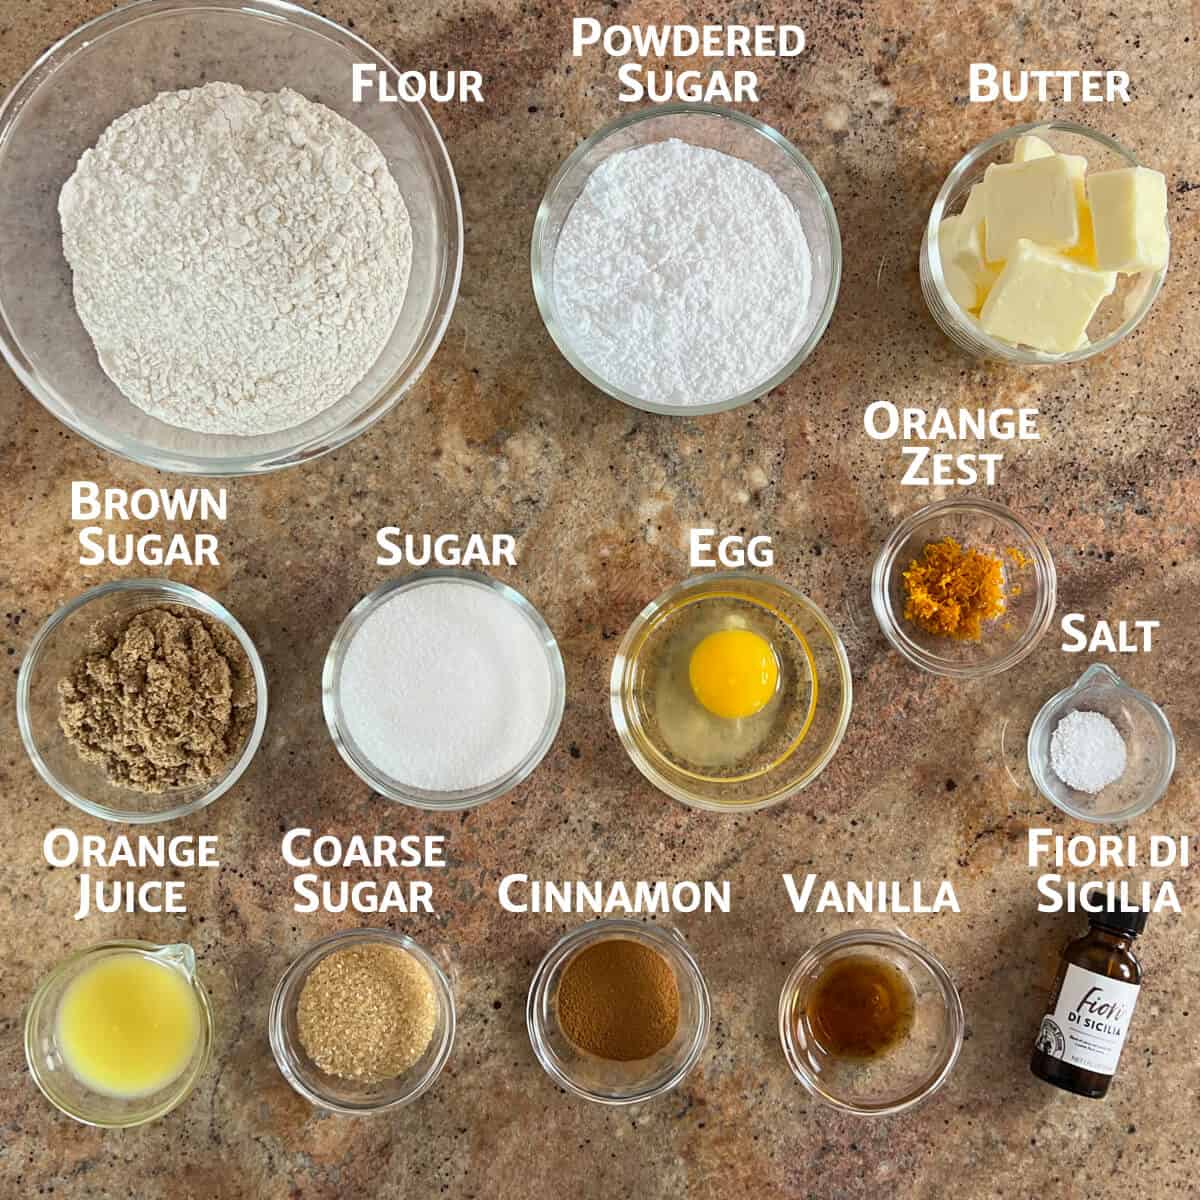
(693, 282)
(123, 60)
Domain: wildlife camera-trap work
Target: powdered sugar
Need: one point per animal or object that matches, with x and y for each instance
(1087, 751)
(240, 258)
(446, 686)
(682, 274)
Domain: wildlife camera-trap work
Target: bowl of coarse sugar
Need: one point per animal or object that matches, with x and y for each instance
(362, 1022)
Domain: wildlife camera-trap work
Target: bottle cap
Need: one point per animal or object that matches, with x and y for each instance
(1117, 919)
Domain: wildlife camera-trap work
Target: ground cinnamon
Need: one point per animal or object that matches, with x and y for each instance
(619, 999)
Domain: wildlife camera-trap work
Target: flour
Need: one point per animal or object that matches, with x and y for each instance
(682, 274)
(240, 258)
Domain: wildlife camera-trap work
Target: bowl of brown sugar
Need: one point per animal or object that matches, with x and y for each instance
(618, 1011)
(362, 1021)
(141, 700)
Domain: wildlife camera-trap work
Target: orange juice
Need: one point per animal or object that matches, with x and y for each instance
(128, 1025)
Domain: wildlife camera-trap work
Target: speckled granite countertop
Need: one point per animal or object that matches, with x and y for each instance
(502, 435)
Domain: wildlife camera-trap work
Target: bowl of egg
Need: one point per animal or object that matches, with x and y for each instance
(731, 691)
(1046, 244)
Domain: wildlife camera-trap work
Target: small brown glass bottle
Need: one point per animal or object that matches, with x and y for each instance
(1080, 1040)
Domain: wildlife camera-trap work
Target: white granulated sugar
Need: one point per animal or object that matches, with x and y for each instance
(446, 686)
(682, 274)
(1087, 751)
(240, 258)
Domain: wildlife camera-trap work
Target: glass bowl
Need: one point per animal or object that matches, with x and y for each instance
(1118, 315)
(1149, 746)
(124, 59)
(731, 133)
(48, 1067)
(351, 1097)
(397, 789)
(50, 657)
(829, 700)
(602, 1080)
(989, 528)
(905, 1075)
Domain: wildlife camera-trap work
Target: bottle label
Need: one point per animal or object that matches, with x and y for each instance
(1088, 1026)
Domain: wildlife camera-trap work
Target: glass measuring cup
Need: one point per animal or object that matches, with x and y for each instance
(1149, 743)
(48, 1066)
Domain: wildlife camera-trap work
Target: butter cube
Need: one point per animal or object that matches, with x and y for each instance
(1129, 213)
(1085, 248)
(1030, 146)
(1044, 299)
(974, 211)
(960, 285)
(1034, 200)
(961, 246)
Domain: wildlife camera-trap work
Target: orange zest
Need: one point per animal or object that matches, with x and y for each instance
(951, 591)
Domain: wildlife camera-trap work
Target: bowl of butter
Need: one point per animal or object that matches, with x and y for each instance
(1046, 244)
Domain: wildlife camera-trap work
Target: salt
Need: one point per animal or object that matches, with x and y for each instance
(446, 686)
(1087, 751)
(682, 274)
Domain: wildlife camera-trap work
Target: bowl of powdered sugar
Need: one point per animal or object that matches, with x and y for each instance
(686, 259)
(211, 259)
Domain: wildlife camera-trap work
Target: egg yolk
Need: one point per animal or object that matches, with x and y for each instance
(733, 673)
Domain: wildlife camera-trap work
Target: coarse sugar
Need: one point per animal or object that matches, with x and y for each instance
(367, 1012)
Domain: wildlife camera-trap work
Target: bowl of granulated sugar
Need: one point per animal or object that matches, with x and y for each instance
(443, 689)
(686, 259)
(213, 260)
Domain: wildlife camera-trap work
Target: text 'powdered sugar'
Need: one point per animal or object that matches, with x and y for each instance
(659, 84)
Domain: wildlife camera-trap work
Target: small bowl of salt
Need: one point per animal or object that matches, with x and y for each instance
(1100, 750)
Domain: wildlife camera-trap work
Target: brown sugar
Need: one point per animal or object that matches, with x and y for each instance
(951, 591)
(163, 700)
(619, 999)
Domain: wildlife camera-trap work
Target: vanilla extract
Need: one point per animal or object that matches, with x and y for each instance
(861, 1007)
